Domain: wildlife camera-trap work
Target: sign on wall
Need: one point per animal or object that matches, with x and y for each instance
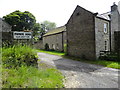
(22, 35)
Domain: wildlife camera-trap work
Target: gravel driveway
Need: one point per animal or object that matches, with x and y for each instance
(82, 75)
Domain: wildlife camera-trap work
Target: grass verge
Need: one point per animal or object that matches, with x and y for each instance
(31, 77)
(19, 71)
(110, 64)
(17, 55)
(52, 52)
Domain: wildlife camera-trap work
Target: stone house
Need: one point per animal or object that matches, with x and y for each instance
(114, 17)
(5, 31)
(56, 38)
(115, 24)
(87, 34)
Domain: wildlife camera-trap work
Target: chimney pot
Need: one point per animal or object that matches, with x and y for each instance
(114, 7)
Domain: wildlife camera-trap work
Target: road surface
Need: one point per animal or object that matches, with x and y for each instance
(82, 75)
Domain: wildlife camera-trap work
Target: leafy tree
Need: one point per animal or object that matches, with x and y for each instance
(41, 28)
(47, 25)
(37, 29)
(20, 20)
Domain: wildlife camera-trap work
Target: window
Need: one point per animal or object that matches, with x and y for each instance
(105, 27)
(106, 46)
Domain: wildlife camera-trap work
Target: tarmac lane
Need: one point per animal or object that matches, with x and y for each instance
(82, 75)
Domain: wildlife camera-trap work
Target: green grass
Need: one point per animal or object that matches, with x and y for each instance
(18, 55)
(52, 52)
(31, 77)
(18, 70)
(110, 64)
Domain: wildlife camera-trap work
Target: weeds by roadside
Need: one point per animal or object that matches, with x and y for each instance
(17, 55)
(52, 52)
(31, 77)
(19, 70)
(110, 64)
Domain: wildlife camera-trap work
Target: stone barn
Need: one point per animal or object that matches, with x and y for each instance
(87, 34)
(5, 31)
(56, 38)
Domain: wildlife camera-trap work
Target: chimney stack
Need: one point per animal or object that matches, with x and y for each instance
(114, 7)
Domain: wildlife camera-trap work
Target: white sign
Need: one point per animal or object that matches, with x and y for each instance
(22, 35)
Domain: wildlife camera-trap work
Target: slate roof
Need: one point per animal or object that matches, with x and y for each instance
(104, 15)
(55, 31)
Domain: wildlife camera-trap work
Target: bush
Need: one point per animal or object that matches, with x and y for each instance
(17, 55)
(6, 43)
(46, 46)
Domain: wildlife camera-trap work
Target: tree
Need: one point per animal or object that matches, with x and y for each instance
(39, 29)
(47, 25)
(36, 28)
(20, 20)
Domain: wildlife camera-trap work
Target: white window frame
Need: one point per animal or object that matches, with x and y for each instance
(105, 27)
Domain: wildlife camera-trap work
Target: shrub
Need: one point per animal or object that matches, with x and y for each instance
(6, 43)
(46, 46)
(17, 55)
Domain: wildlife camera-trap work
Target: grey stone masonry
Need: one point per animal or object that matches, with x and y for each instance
(115, 23)
(55, 41)
(85, 34)
(56, 38)
(5, 30)
(0, 32)
(81, 34)
(102, 37)
(0, 24)
(5, 27)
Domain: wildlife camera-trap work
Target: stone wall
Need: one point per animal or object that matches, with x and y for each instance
(0, 24)
(38, 44)
(115, 23)
(7, 36)
(5, 31)
(22, 41)
(0, 32)
(55, 41)
(101, 37)
(5, 27)
(117, 40)
(64, 38)
(81, 34)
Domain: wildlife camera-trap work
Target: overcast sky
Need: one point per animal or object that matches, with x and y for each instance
(58, 11)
